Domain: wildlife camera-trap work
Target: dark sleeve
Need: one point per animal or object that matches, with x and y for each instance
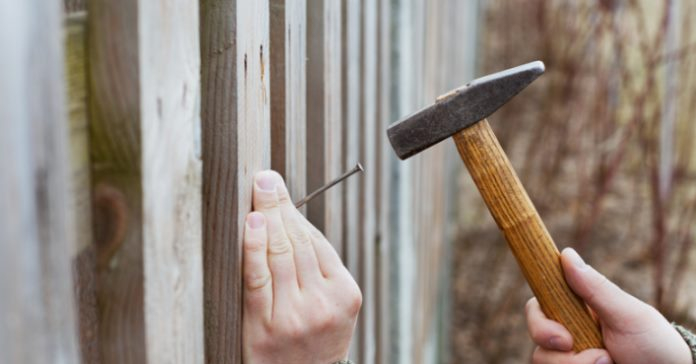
(347, 361)
(690, 339)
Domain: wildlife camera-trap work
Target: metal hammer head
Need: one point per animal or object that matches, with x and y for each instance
(460, 108)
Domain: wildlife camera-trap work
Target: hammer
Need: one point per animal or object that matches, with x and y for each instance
(461, 114)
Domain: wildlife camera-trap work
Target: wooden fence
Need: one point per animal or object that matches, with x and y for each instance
(132, 130)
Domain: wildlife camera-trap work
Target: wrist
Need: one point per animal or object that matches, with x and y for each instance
(690, 340)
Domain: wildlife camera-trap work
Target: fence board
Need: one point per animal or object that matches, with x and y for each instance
(83, 254)
(144, 95)
(115, 149)
(288, 42)
(351, 146)
(236, 144)
(37, 321)
(385, 159)
(368, 154)
(324, 115)
(170, 127)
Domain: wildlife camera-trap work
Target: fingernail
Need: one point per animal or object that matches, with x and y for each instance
(256, 220)
(575, 258)
(603, 360)
(267, 180)
(557, 343)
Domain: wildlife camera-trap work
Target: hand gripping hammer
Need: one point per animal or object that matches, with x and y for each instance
(461, 114)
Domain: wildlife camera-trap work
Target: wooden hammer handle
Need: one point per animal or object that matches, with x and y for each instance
(526, 234)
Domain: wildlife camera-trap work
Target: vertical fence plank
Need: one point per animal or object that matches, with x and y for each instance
(407, 48)
(351, 147)
(288, 37)
(368, 155)
(83, 254)
(144, 95)
(324, 115)
(115, 149)
(222, 254)
(36, 231)
(384, 184)
(171, 179)
(236, 144)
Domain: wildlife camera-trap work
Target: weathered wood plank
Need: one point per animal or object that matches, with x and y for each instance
(368, 154)
(288, 42)
(408, 77)
(351, 146)
(171, 179)
(352, 46)
(76, 78)
(324, 115)
(144, 95)
(83, 254)
(37, 320)
(114, 113)
(74, 6)
(385, 159)
(236, 144)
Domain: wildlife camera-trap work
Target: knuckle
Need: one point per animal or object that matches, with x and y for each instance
(326, 322)
(298, 236)
(256, 280)
(354, 300)
(315, 234)
(293, 328)
(266, 202)
(280, 247)
(254, 245)
(279, 243)
(283, 196)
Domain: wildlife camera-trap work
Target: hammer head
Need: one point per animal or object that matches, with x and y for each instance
(459, 109)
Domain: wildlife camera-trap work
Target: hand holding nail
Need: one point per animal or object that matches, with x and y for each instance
(300, 302)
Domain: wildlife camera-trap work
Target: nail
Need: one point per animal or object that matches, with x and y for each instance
(256, 220)
(556, 343)
(267, 180)
(575, 258)
(358, 168)
(603, 360)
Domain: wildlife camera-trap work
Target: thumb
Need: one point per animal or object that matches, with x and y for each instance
(613, 306)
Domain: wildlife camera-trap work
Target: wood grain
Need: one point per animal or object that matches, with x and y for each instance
(288, 42)
(236, 144)
(171, 179)
(385, 161)
(351, 83)
(83, 254)
(37, 318)
(144, 123)
(368, 156)
(324, 115)
(74, 6)
(526, 234)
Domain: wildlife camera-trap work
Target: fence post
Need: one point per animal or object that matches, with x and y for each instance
(236, 144)
(37, 318)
